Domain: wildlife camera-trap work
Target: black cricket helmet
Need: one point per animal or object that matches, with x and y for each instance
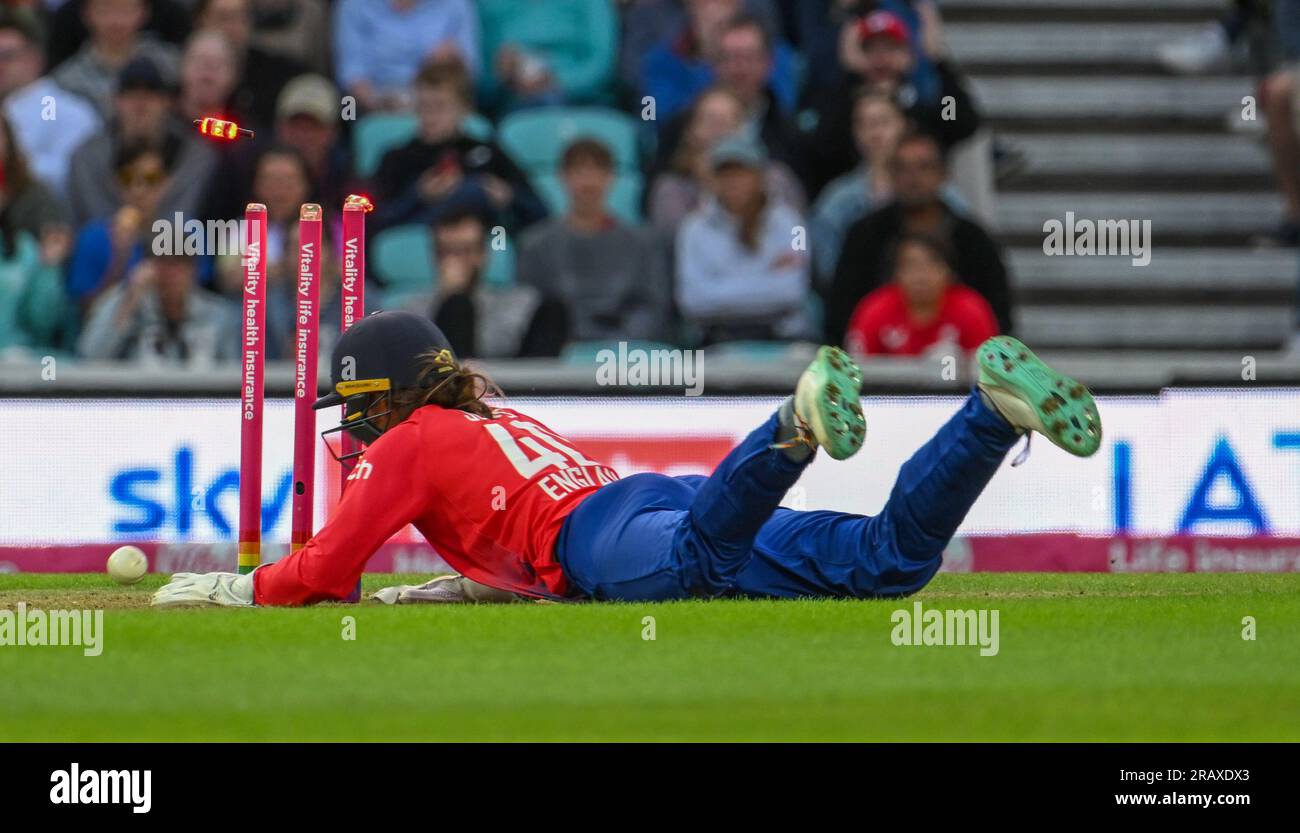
(376, 356)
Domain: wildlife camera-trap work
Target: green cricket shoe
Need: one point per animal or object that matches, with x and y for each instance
(1032, 396)
(826, 404)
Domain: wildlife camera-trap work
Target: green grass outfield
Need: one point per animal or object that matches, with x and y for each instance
(1081, 657)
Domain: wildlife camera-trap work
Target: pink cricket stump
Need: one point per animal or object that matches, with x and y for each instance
(252, 388)
(353, 297)
(306, 343)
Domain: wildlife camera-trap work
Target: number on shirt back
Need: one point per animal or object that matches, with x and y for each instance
(549, 451)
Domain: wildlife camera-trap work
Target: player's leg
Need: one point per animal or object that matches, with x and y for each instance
(651, 536)
(733, 503)
(899, 550)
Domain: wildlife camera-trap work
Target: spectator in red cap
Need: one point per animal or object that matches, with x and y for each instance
(877, 53)
(923, 309)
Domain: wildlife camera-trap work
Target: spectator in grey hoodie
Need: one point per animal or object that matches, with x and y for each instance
(612, 277)
(159, 316)
(743, 270)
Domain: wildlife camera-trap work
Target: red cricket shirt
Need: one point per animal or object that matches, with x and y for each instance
(881, 323)
(489, 494)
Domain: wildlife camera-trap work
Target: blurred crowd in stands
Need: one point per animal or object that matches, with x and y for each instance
(546, 174)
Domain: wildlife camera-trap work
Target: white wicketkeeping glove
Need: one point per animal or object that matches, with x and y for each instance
(225, 589)
(443, 590)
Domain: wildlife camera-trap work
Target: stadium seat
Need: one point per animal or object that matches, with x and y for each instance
(536, 138)
(477, 126)
(375, 135)
(624, 196)
(378, 133)
(402, 258)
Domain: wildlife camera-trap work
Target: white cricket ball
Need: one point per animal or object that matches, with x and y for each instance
(127, 565)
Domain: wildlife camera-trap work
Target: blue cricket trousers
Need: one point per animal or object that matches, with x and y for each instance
(651, 537)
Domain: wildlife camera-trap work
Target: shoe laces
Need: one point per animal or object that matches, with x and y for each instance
(803, 435)
(1024, 452)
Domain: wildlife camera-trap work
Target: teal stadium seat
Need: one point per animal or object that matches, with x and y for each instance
(402, 258)
(536, 138)
(378, 133)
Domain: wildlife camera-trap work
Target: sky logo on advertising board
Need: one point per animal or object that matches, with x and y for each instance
(155, 498)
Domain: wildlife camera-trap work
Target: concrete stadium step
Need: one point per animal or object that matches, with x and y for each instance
(1138, 153)
(1104, 103)
(982, 48)
(1077, 87)
(1174, 217)
(1155, 327)
(1137, 370)
(1081, 10)
(1095, 160)
(1188, 270)
(1210, 7)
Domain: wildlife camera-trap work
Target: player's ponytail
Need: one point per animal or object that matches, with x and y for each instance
(449, 385)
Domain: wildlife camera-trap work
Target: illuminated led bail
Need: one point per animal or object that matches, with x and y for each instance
(221, 128)
(358, 202)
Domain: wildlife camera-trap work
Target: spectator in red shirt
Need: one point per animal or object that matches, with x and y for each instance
(923, 309)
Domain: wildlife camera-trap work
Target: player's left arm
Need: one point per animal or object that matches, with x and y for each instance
(388, 490)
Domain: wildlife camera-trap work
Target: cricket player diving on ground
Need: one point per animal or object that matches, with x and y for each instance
(519, 511)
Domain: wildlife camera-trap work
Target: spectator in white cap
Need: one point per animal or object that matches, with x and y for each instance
(307, 120)
(743, 272)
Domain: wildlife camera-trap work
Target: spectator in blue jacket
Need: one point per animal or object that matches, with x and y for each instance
(744, 69)
(107, 249)
(679, 69)
(380, 45)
